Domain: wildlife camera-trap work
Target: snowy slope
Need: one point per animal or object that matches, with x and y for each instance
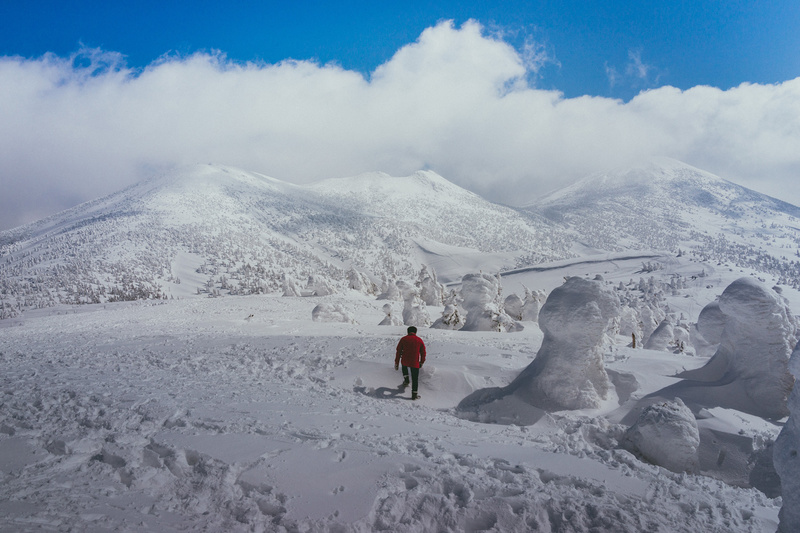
(240, 414)
(220, 230)
(670, 206)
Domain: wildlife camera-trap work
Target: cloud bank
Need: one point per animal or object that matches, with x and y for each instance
(457, 101)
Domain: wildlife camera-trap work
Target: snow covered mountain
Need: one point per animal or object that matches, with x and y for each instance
(220, 230)
(670, 206)
(616, 405)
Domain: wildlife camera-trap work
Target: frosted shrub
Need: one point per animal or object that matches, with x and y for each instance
(452, 318)
(391, 319)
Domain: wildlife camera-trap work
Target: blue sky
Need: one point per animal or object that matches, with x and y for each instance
(608, 48)
(508, 99)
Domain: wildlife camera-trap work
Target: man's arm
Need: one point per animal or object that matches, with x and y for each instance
(398, 354)
(422, 353)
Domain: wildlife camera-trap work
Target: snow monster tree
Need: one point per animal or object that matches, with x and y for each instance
(750, 369)
(568, 371)
(787, 456)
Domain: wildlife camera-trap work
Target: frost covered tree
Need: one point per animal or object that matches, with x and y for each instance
(430, 290)
(290, 288)
(706, 334)
(358, 281)
(390, 291)
(786, 456)
(568, 371)
(749, 371)
(318, 286)
(414, 310)
(534, 299)
(452, 318)
(481, 297)
(514, 306)
(391, 319)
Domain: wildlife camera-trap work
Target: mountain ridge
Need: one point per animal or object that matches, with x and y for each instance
(230, 231)
(214, 230)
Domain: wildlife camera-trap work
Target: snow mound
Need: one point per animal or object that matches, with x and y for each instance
(749, 371)
(568, 371)
(787, 456)
(328, 312)
(662, 337)
(666, 434)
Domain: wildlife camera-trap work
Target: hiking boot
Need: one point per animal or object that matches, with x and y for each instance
(415, 396)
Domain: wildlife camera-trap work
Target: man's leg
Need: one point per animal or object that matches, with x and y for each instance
(405, 375)
(414, 380)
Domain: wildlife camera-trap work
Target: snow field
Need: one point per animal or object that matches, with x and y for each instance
(242, 414)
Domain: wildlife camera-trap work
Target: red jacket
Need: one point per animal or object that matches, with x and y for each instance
(411, 350)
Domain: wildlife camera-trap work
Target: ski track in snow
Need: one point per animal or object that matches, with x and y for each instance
(191, 415)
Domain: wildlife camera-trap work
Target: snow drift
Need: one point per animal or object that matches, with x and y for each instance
(666, 434)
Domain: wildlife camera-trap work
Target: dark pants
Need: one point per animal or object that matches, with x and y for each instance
(414, 376)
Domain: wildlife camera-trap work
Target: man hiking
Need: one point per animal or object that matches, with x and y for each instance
(411, 351)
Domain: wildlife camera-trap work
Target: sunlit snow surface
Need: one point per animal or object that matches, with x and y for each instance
(242, 414)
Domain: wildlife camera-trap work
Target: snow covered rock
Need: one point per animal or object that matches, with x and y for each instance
(329, 312)
(787, 456)
(666, 434)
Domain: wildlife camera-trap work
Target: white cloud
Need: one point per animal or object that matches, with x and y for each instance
(455, 101)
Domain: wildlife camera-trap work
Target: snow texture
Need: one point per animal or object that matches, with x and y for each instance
(666, 434)
(749, 371)
(391, 319)
(787, 456)
(331, 312)
(568, 371)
